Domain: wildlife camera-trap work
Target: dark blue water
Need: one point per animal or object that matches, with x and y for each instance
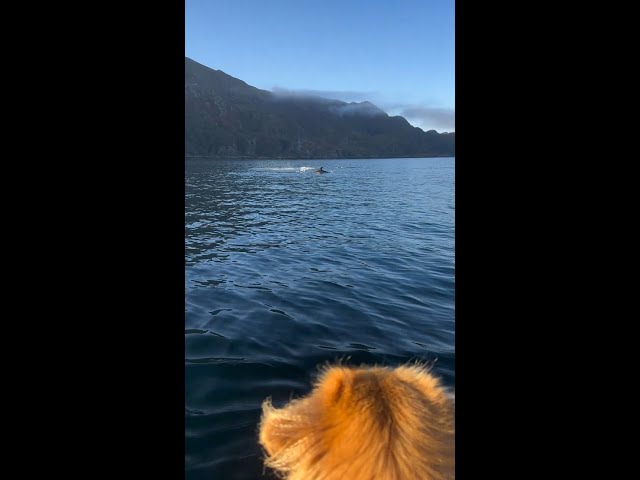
(286, 269)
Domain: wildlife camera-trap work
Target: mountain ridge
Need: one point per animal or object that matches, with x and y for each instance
(227, 118)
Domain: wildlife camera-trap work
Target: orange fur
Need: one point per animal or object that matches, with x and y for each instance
(363, 424)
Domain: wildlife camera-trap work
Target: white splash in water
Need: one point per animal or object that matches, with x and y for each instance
(280, 169)
(288, 169)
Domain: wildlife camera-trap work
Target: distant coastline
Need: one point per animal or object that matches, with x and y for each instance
(229, 157)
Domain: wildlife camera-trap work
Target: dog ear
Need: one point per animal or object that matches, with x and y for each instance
(334, 386)
(281, 429)
(420, 377)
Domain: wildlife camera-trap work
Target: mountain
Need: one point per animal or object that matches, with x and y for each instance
(226, 118)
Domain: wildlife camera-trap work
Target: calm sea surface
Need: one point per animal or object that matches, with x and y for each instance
(287, 269)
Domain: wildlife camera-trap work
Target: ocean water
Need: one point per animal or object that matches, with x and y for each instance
(287, 269)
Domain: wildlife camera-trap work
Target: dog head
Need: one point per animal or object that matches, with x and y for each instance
(364, 423)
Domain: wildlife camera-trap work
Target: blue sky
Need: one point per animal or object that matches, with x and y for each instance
(398, 54)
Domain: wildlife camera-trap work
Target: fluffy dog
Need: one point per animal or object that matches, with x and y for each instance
(363, 424)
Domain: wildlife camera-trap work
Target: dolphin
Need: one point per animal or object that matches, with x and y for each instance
(321, 170)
